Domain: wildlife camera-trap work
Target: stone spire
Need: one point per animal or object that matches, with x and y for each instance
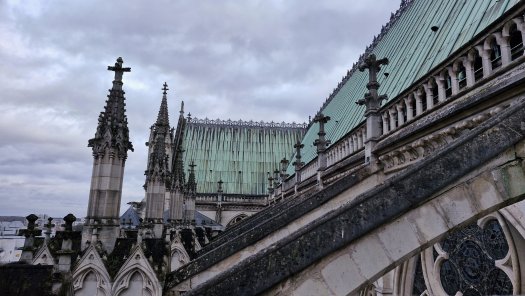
(191, 190)
(178, 178)
(158, 170)
(112, 130)
(110, 147)
(191, 186)
(163, 118)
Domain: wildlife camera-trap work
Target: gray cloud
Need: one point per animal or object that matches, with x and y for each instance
(255, 60)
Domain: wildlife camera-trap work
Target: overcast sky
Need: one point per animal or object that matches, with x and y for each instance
(251, 60)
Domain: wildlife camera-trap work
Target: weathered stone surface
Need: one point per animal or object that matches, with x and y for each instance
(372, 209)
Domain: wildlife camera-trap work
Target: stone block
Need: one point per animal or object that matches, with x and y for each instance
(399, 238)
(366, 248)
(510, 179)
(312, 287)
(428, 221)
(456, 205)
(483, 190)
(342, 275)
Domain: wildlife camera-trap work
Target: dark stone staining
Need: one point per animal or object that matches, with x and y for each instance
(119, 255)
(156, 251)
(26, 279)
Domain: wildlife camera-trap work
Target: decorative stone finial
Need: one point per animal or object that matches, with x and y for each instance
(297, 163)
(69, 219)
(321, 143)
(219, 186)
(372, 100)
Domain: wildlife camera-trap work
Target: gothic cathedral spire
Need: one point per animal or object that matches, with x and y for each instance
(158, 171)
(110, 149)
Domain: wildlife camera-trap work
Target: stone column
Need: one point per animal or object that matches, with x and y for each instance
(408, 105)
(429, 95)
(504, 45)
(453, 79)
(440, 83)
(485, 58)
(384, 118)
(400, 115)
(418, 94)
(392, 115)
(468, 63)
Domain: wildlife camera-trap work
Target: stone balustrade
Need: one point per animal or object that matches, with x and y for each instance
(464, 72)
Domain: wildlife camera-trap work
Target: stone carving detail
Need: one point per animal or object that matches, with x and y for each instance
(427, 145)
(112, 130)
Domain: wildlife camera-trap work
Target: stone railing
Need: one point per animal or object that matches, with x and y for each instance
(348, 145)
(250, 123)
(230, 198)
(462, 72)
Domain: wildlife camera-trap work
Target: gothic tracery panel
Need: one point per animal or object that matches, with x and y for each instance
(478, 259)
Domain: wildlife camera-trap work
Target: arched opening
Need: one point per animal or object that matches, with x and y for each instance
(435, 92)
(448, 84)
(516, 42)
(423, 102)
(90, 286)
(413, 107)
(478, 66)
(404, 112)
(495, 54)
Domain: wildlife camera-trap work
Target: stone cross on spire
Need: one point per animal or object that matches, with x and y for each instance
(165, 88)
(372, 100)
(119, 71)
(298, 163)
(321, 143)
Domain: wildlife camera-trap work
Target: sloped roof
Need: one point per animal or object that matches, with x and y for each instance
(237, 152)
(413, 49)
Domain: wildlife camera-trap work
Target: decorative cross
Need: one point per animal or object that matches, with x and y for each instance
(284, 166)
(270, 183)
(119, 71)
(49, 225)
(297, 163)
(165, 88)
(31, 230)
(219, 189)
(321, 143)
(372, 100)
(192, 166)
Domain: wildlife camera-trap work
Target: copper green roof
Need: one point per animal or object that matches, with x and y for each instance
(413, 49)
(237, 152)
